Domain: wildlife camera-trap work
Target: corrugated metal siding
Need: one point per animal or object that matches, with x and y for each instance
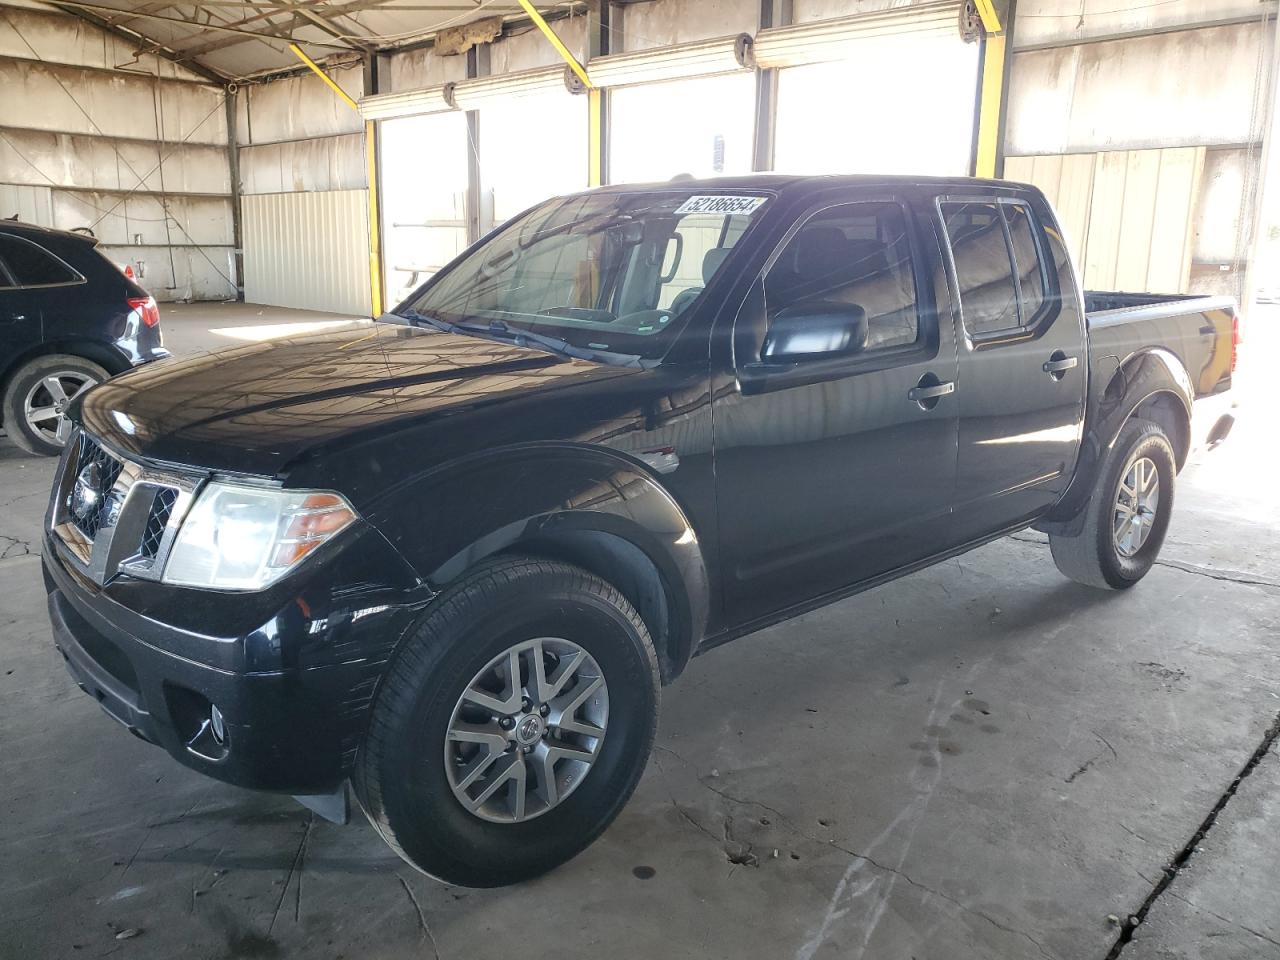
(308, 250)
(1129, 217)
(29, 204)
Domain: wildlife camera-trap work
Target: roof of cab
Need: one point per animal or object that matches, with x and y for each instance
(779, 183)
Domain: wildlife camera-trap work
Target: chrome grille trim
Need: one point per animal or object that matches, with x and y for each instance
(116, 543)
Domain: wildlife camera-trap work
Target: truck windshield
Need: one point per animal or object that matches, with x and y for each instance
(612, 273)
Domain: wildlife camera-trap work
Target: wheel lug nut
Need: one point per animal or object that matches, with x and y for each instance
(506, 723)
(544, 709)
(525, 703)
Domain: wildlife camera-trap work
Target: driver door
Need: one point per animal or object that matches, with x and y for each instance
(836, 455)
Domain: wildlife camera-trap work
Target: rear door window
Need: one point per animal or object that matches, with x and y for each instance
(998, 267)
(31, 265)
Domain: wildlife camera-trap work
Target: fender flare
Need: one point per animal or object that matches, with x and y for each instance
(584, 504)
(1145, 376)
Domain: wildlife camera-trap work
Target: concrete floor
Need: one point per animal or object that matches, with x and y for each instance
(981, 760)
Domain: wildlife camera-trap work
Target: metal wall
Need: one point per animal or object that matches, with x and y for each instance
(1144, 124)
(307, 250)
(303, 189)
(133, 148)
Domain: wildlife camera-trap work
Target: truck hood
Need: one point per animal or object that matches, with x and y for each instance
(261, 408)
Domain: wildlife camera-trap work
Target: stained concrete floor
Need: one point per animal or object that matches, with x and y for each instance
(982, 760)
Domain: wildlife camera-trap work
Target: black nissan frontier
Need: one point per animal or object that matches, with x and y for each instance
(450, 558)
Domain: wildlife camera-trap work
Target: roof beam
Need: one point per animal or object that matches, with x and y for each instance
(143, 43)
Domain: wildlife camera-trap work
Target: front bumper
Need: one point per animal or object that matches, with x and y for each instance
(293, 730)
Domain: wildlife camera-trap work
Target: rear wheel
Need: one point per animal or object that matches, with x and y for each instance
(1128, 514)
(512, 725)
(37, 397)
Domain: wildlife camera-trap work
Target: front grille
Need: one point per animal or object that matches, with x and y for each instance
(89, 499)
(157, 521)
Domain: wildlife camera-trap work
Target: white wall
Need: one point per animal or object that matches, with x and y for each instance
(134, 148)
(1123, 84)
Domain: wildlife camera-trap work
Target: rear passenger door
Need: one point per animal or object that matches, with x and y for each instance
(1022, 360)
(835, 458)
(20, 321)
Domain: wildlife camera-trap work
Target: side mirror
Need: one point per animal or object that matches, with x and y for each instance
(817, 330)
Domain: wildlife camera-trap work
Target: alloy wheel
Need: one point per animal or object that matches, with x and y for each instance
(45, 405)
(1137, 501)
(526, 730)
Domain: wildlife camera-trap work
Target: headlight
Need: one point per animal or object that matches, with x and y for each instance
(244, 538)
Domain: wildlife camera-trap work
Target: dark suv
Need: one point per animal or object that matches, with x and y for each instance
(69, 318)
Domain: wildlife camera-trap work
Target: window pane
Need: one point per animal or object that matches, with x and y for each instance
(984, 271)
(424, 197)
(705, 242)
(32, 266)
(1027, 255)
(856, 253)
(930, 111)
(701, 127)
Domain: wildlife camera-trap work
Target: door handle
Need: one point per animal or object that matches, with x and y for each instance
(1060, 365)
(920, 394)
(1208, 330)
(927, 394)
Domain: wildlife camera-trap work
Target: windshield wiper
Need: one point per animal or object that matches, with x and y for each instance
(499, 330)
(413, 318)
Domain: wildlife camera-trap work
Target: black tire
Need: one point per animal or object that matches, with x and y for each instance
(27, 377)
(400, 778)
(1091, 557)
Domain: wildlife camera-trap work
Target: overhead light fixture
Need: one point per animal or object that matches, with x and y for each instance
(822, 41)
(681, 62)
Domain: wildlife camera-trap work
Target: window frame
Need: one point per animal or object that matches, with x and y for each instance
(77, 276)
(1026, 328)
(925, 345)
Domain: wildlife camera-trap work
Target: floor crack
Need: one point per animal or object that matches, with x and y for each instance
(1228, 576)
(1171, 871)
(293, 867)
(422, 917)
(1094, 759)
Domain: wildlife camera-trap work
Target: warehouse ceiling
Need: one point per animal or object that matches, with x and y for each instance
(231, 39)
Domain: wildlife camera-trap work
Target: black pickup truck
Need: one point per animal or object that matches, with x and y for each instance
(450, 558)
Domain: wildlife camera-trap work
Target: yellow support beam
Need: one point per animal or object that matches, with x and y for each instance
(595, 137)
(990, 18)
(989, 106)
(556, 42)
(371, 168)
(375, 247)
(315, 68)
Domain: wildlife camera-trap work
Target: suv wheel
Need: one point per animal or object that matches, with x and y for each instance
(1128, 514)
(37, 397)
(512, 724)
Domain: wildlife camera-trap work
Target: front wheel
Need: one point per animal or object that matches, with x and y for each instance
(1128, 514)
(36, 400)
(513, 724)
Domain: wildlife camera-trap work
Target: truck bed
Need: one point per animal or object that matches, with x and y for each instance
(1198, 330)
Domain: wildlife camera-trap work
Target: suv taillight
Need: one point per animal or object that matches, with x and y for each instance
(146, 307)
(1236, 340)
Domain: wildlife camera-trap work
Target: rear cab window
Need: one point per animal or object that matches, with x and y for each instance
(996, 252)
(27, 264)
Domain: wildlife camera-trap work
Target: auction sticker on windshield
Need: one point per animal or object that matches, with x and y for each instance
(721, 203)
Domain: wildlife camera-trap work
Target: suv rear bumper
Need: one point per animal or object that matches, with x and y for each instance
(290, 731)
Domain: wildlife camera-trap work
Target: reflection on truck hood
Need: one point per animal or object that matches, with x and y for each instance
(258, 408)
